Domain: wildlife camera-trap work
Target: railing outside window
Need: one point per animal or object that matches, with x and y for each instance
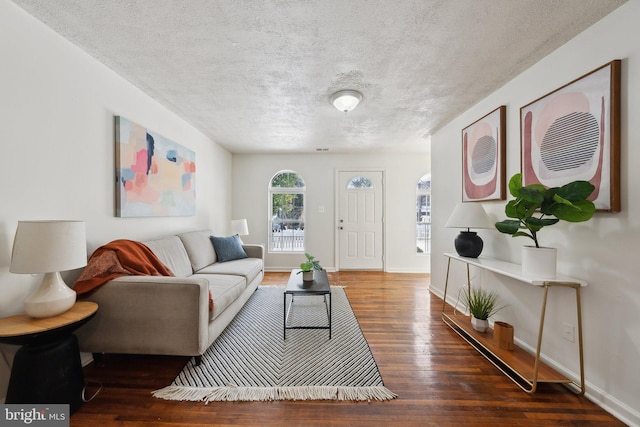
(287, 241)
(423, 237)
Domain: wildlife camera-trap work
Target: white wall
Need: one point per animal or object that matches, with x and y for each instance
(251, 177)
(602, 251)
(57, 108)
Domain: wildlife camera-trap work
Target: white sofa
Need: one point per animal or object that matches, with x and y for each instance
(171, 315)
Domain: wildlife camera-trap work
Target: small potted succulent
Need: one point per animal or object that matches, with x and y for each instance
(481, 304)
(535, 207)
(308, 267)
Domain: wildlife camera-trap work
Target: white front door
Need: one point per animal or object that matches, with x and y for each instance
(360, 220)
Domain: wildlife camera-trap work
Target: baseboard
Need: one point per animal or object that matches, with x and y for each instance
(332, 269)
(288, 269)
(618, 409)
(409, 270)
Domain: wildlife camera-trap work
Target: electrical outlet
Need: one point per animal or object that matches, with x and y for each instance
(568, 332)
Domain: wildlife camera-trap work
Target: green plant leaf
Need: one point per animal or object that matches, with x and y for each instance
(532, 194)
(508, 226)
(576, 190)
(559, 199)
(579, 211)
(515, 183)
(540, 222)
(511, 209)
(523, 234)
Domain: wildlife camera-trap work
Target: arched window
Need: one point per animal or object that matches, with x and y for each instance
(286, 207)
(423, 215)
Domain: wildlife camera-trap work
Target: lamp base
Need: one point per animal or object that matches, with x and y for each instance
(53, 297)
(468, 244)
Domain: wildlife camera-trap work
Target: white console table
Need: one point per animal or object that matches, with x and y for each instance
(523, 368)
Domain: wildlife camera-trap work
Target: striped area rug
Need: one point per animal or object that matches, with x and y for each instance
(251, 360)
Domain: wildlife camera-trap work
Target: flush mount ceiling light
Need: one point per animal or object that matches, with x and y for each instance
(346, 100)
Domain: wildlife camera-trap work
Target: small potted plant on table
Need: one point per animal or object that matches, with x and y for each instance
(308, 267)
(481, 304)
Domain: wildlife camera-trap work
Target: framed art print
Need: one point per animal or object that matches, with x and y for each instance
(483, 158)
(573, 133)
(154, 175)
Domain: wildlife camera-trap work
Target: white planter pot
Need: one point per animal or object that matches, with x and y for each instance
(307, 276)
(479, 324)
(539, 262)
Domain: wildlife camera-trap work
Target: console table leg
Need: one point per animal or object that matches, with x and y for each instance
(579, 311)
(536, 365)
(446, 284)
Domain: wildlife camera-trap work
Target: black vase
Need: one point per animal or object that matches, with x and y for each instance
(468, 244)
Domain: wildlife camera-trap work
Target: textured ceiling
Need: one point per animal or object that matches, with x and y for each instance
(256, 76)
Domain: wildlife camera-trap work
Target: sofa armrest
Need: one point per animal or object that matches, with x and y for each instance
(254, 251)
(149, 315)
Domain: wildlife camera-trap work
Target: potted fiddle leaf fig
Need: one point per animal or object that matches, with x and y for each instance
(536, 206)
(308, 267)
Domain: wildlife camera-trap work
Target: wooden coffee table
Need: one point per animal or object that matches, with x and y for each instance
(296, 286)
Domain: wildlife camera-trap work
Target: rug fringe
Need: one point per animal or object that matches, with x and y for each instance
(253, 394)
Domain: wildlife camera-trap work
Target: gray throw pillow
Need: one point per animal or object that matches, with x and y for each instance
(228, 248)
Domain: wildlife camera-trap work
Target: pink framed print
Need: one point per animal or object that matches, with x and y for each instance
(573, 133)
(483, 158)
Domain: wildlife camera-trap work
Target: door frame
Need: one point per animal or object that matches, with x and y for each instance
(336, 213)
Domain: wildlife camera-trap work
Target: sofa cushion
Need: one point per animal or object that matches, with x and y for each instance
(224, 289)
(199, 248)
(228, 248)
(172, 253)
(247, 267)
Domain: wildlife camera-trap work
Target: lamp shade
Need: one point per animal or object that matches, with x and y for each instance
(239, 227)
(346, 100)
(469, 215)
(49, 246)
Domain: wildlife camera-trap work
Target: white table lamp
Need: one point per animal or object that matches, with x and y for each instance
(469, 215)
(49, 247)
(239, 227)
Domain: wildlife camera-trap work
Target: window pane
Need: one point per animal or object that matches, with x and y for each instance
(359, 182)
(424, 183)
(287, 180)
(287, 213)
(287, 206)
(423, 215)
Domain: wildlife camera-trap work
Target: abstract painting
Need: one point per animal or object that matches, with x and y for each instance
(573, 133)
(483, 158)
(154, 175)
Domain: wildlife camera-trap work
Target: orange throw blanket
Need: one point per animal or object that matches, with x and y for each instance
(116, 259)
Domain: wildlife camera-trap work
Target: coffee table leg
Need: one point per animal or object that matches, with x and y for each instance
(330, 312)
(284, 317)
(328, 308)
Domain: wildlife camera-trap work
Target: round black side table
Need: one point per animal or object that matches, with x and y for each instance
(47, 368)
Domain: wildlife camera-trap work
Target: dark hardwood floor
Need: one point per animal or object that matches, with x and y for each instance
(440, 380)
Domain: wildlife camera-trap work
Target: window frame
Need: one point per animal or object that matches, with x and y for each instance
(420, 192)
(301, 190)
